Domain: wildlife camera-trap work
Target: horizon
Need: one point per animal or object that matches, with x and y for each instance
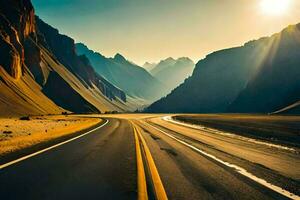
(121, 27)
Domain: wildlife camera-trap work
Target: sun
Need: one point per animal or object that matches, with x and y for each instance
(275, 7)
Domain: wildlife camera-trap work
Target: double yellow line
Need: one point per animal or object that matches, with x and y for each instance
(159, 190)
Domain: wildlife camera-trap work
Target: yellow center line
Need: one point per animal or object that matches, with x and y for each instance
(158, 185)
(141, 178)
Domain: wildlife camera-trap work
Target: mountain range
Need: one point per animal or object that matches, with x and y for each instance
(262, 76)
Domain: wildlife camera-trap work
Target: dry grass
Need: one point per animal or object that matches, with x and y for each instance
(18, 134)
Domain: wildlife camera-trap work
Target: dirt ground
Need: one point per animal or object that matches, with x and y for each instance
(16, 134)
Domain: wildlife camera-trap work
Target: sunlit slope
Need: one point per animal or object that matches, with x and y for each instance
(23, 97)
(90, 97)
(261, 76)
(19, 93)
(78, 72)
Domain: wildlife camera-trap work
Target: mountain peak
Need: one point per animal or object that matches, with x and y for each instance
(147, 63)
(82, 45)
(119, 57)
(185, 59)
(170, 59)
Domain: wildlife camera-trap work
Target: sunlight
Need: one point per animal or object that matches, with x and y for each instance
(275, 7)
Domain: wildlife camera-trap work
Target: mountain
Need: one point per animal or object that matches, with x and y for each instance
(149, 66)
(40, 72)
(173, 72)
(19, 93)
(134, 80)
(261, 76)
(162, 65)
(277, 82)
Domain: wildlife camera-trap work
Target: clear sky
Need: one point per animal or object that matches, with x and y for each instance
(151, 30)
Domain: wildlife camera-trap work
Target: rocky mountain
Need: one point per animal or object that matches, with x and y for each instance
(173, 72)
(262, 76)
(40, 72)
(134, 80)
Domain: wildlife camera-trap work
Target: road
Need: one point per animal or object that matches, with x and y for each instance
(148, 157)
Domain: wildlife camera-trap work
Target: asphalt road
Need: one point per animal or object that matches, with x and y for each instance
(100, 165)
(177, 162)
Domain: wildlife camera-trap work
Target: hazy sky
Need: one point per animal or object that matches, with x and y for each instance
(151, 30)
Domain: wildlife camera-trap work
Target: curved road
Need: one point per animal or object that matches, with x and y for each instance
(176, 162)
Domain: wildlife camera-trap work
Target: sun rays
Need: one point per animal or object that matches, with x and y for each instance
(275, 7)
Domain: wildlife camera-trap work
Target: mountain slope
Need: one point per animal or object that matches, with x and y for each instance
(95, 87)
(277, 83)
(173, 72)
(149, 66)
(33, 79)
(261, 76)
(19, 93)
(132, 79)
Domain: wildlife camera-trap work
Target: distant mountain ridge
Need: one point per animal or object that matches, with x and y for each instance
(262, 76)
(173, 72)
(168, 62)
(132, 79)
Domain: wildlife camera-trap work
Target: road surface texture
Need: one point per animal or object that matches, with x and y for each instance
(154, 157)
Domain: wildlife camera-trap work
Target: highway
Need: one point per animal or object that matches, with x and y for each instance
(152, 157)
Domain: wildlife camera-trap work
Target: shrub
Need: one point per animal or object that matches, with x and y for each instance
(25, 118)
(7, 132)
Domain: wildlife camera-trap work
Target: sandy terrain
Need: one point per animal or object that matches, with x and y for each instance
(16, 134)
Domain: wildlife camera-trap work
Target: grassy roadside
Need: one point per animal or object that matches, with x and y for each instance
(277, 129)
(16, 134)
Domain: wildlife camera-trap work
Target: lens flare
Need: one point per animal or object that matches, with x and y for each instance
(275, 7)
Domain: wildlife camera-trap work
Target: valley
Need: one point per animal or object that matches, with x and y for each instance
(81, 116)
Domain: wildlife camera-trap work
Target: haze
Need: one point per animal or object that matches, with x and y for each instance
(144, 30)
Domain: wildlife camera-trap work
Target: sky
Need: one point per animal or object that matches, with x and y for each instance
(152, 30)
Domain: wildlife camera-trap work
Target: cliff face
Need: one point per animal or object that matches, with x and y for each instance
(11, 50)
(40, 72)
(17, 23)
(20, 13)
